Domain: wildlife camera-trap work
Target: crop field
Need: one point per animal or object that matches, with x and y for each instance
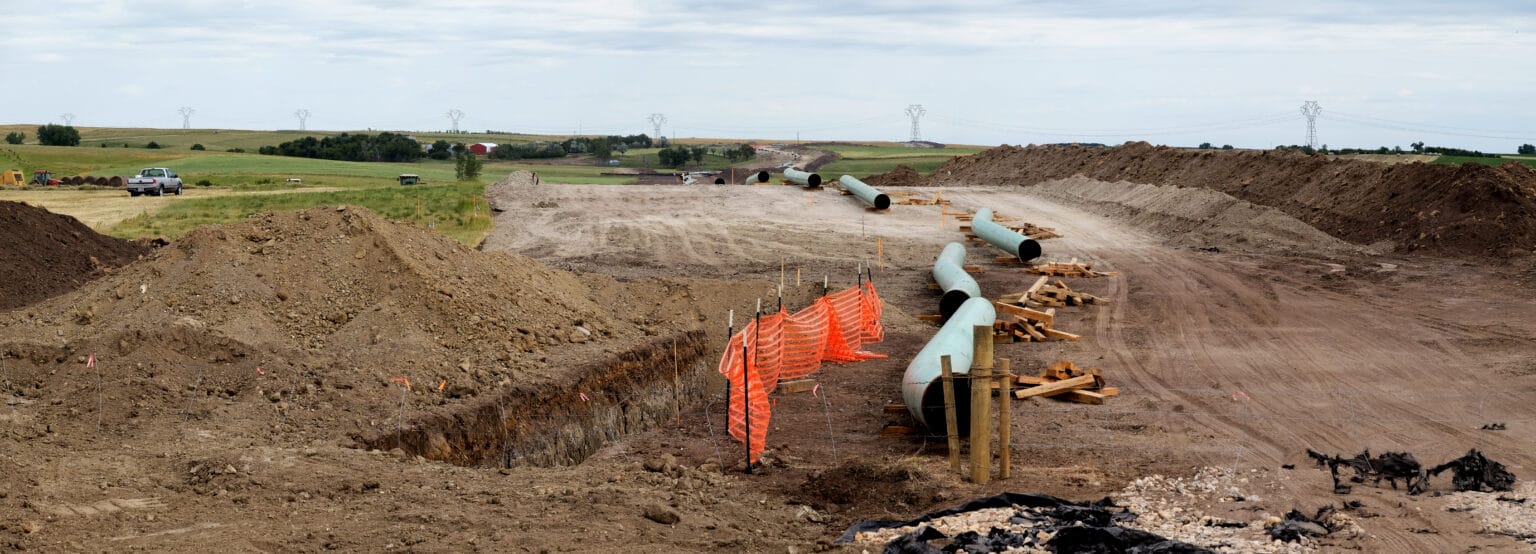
(1458, 160)
(861, 160)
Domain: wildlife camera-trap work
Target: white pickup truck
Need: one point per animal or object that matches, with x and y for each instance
(154, 180)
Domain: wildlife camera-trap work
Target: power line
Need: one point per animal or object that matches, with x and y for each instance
(916, 112)
(1422, 128)
(1115, 133)
(186, 116)
(656, 120)
(1309, 110)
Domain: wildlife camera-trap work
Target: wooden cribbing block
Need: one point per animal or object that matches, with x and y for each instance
(1038, 283)
(930, 317)
(973, 268)
(1058, 387)
(896, 408)
(1034, 333)
(1083, 397)
(1031, 380)
(795, 386)
(1025, 313)
(1109, 391)
(1060, 335)
(897, 431)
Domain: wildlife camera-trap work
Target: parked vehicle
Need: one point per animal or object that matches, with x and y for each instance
(154, 180)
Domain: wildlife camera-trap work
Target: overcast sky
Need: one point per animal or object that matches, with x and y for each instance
(1168, 71)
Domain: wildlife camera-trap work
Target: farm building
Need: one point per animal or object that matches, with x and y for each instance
(482, 148)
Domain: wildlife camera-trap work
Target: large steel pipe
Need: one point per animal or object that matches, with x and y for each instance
(870, 195)
(1019, 245)
(757, 177)
(958, 286)
(922, 387)
(804, 178)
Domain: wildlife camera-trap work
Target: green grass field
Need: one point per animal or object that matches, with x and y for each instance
(457, 209)
(865, 160)
(1458, 160)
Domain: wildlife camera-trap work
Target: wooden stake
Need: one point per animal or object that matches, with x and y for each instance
(949, 415)
(1004, 420)
(981, 405)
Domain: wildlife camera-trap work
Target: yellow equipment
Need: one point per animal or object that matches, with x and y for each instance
(11, 177)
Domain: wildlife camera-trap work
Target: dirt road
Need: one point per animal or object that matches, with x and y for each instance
(1228, 356)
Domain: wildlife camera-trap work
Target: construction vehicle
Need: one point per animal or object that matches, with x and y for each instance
(44, 177)
(11, 177)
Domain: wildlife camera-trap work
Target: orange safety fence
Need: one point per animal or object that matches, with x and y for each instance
(783, 346)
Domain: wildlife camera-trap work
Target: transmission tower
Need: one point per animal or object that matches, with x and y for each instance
(186, 116)
(69, 118)
(916, 112)
(455, 115)
(303, 116)
(1310, 109)
(657, 120)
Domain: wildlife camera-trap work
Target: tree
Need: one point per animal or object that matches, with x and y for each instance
(1226, 147)
(198, 147)
(697, 153)
(1418, 147)
(16, 137)
(466, 166)
(441, 150)
(1205, 146)
(58, 135)
(153, 145)
(662, 142)
(1525, 149)
(674, 157)
(601, 150)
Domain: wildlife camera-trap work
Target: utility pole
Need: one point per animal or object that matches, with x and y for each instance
(455, 115)
(186, 116)
(303, 116)
(1310, 109)
(69, 118)
(657, 120)
(916, 112)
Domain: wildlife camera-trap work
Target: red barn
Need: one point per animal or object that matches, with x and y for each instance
(482, 148)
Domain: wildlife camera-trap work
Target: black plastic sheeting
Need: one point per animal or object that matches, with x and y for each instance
(1471, 472)
(1074, 527)
(1475, 472)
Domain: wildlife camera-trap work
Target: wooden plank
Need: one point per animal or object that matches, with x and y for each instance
(1002, 339)
(1082, 397)
(973, 268)
(1023, 313)
(1038, 283)
(1109, 391)
(930, 317)
(981, 406)
(795, 386)
(949, 414)
(897, 431)
(1060, 335)
(1004, 421)
(896, 408)
(1058, 387)
(1034, 334)
(1030, 380)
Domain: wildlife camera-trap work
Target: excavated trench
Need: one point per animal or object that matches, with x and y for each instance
(625, 393)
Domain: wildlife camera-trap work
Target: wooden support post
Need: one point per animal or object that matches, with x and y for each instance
(949, 415)
(981, 405)
(1004, 418)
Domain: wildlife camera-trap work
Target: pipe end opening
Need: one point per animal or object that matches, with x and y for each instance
(933, 407)
(1029, 250)
(951, 302)
(761, 176)
(882, 202)
(814, 180)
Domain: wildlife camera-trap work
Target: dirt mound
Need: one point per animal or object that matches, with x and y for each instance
(1195, 217)
(902, 176)
(325, 306)
(1468, 209)
(47, 254)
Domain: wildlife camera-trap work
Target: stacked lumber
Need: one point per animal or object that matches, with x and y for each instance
(1068, 269)
(1066, 382)
(1044, 294)
(1021, 324)
(911, 199)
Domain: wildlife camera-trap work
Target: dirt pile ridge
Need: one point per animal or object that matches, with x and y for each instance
(902, 176)
(334, 302)
(44, 254)
(1469, 209)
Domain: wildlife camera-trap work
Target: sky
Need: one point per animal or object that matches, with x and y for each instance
(1177, 72)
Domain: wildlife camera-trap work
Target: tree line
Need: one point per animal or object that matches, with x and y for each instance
(358, 147)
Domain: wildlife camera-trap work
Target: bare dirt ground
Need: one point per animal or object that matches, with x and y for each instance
(1236, 346)
(1240, 351)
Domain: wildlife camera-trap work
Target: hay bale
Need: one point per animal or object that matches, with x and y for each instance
(115, 181)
